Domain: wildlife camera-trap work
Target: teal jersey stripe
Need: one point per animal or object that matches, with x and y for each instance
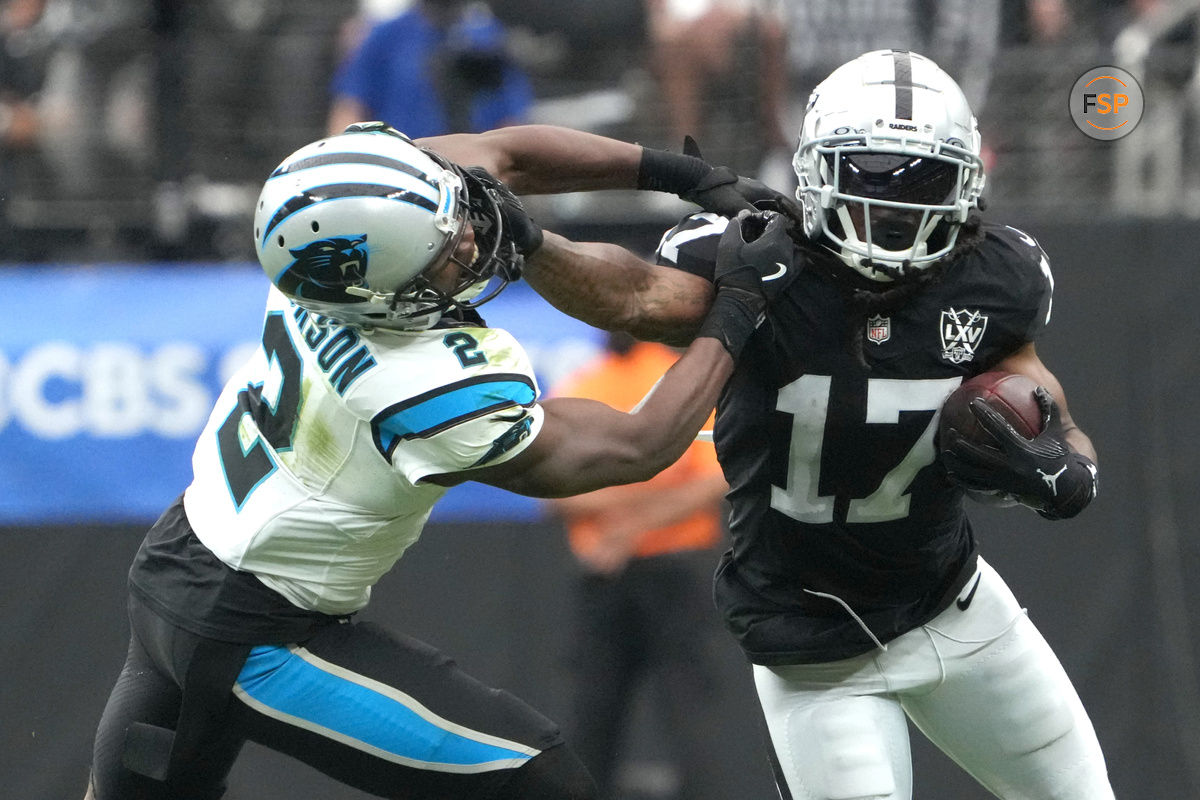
(449, 405)
(278, 680)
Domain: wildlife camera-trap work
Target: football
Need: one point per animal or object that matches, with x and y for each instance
(1009, 393)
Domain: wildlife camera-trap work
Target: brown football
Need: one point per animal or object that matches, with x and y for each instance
(1009, 393)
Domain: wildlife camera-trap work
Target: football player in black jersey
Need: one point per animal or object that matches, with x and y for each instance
(853, 583)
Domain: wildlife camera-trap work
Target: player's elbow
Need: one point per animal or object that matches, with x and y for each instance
(648, 326)
(647, 456)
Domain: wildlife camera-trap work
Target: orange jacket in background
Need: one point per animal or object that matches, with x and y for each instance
(621, 381)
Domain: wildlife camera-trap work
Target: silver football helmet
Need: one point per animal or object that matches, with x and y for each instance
(352, 226)
(888, 163)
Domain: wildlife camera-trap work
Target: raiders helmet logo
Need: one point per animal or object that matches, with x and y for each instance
(323, 269)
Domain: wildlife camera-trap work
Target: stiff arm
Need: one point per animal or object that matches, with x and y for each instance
(585, 445)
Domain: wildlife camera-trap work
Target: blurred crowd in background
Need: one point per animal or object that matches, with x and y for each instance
(143, 129)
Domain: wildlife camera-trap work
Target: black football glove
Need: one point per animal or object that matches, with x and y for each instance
(519, 227)
(1042, 473)
(755, 264)
(756, 254)
(724, 192)
(716, 189)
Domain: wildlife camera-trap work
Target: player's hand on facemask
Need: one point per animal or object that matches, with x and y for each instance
(525, 234)
(756, 254)
(1042, 473)
(755, 264)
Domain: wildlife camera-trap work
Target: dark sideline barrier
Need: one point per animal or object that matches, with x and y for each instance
(1111, 590)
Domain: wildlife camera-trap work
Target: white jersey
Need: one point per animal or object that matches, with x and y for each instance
(308, 473)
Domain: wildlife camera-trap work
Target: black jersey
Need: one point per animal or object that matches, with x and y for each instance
(846, 532)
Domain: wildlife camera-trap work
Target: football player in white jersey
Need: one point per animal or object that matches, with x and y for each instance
(376, 387)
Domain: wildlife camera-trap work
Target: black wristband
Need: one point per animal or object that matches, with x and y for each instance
(733, 318)
(664, 171)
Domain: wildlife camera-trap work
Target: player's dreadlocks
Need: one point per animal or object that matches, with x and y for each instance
(865, 299)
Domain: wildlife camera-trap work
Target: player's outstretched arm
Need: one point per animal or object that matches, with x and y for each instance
(611, 288)
(548, 159)
(584, 445)
(544, 159)
(602, 284)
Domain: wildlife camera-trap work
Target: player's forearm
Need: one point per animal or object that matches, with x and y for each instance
(585, 445)
(1026, 362)
(665, 425)
(673, 412)
(1078, 441)
(611, 288)
(545, 159)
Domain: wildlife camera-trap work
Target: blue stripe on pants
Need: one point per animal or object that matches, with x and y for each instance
(293, 685)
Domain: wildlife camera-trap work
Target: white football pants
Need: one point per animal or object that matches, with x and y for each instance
(981, 683)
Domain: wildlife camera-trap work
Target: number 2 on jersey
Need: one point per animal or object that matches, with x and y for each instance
(465, 347)
(807, 400)
(273, 410)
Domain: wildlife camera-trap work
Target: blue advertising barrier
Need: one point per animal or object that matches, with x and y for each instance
(108, 373)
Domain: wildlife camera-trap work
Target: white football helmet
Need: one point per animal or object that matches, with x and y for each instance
(349, 227)
(888, 163)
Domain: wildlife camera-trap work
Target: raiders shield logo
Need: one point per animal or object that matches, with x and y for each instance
(879, 329)
(961, 332)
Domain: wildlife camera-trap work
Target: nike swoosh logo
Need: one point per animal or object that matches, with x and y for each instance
(779, 273)
(963, 602)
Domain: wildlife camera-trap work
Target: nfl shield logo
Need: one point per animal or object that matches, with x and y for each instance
(879, 329)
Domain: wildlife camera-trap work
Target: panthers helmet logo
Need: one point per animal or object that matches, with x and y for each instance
(324, 268)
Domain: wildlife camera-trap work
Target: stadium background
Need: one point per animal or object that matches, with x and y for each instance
(128, 293)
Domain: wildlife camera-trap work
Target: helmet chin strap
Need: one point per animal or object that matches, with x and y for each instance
(473, 291)
(370, 295)
(392, 310)
(889, 272)
(890, 264)
(419, 322)
(416, 315)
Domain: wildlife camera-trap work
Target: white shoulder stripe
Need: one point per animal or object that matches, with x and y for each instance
(711, 225)
(1044, 264)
